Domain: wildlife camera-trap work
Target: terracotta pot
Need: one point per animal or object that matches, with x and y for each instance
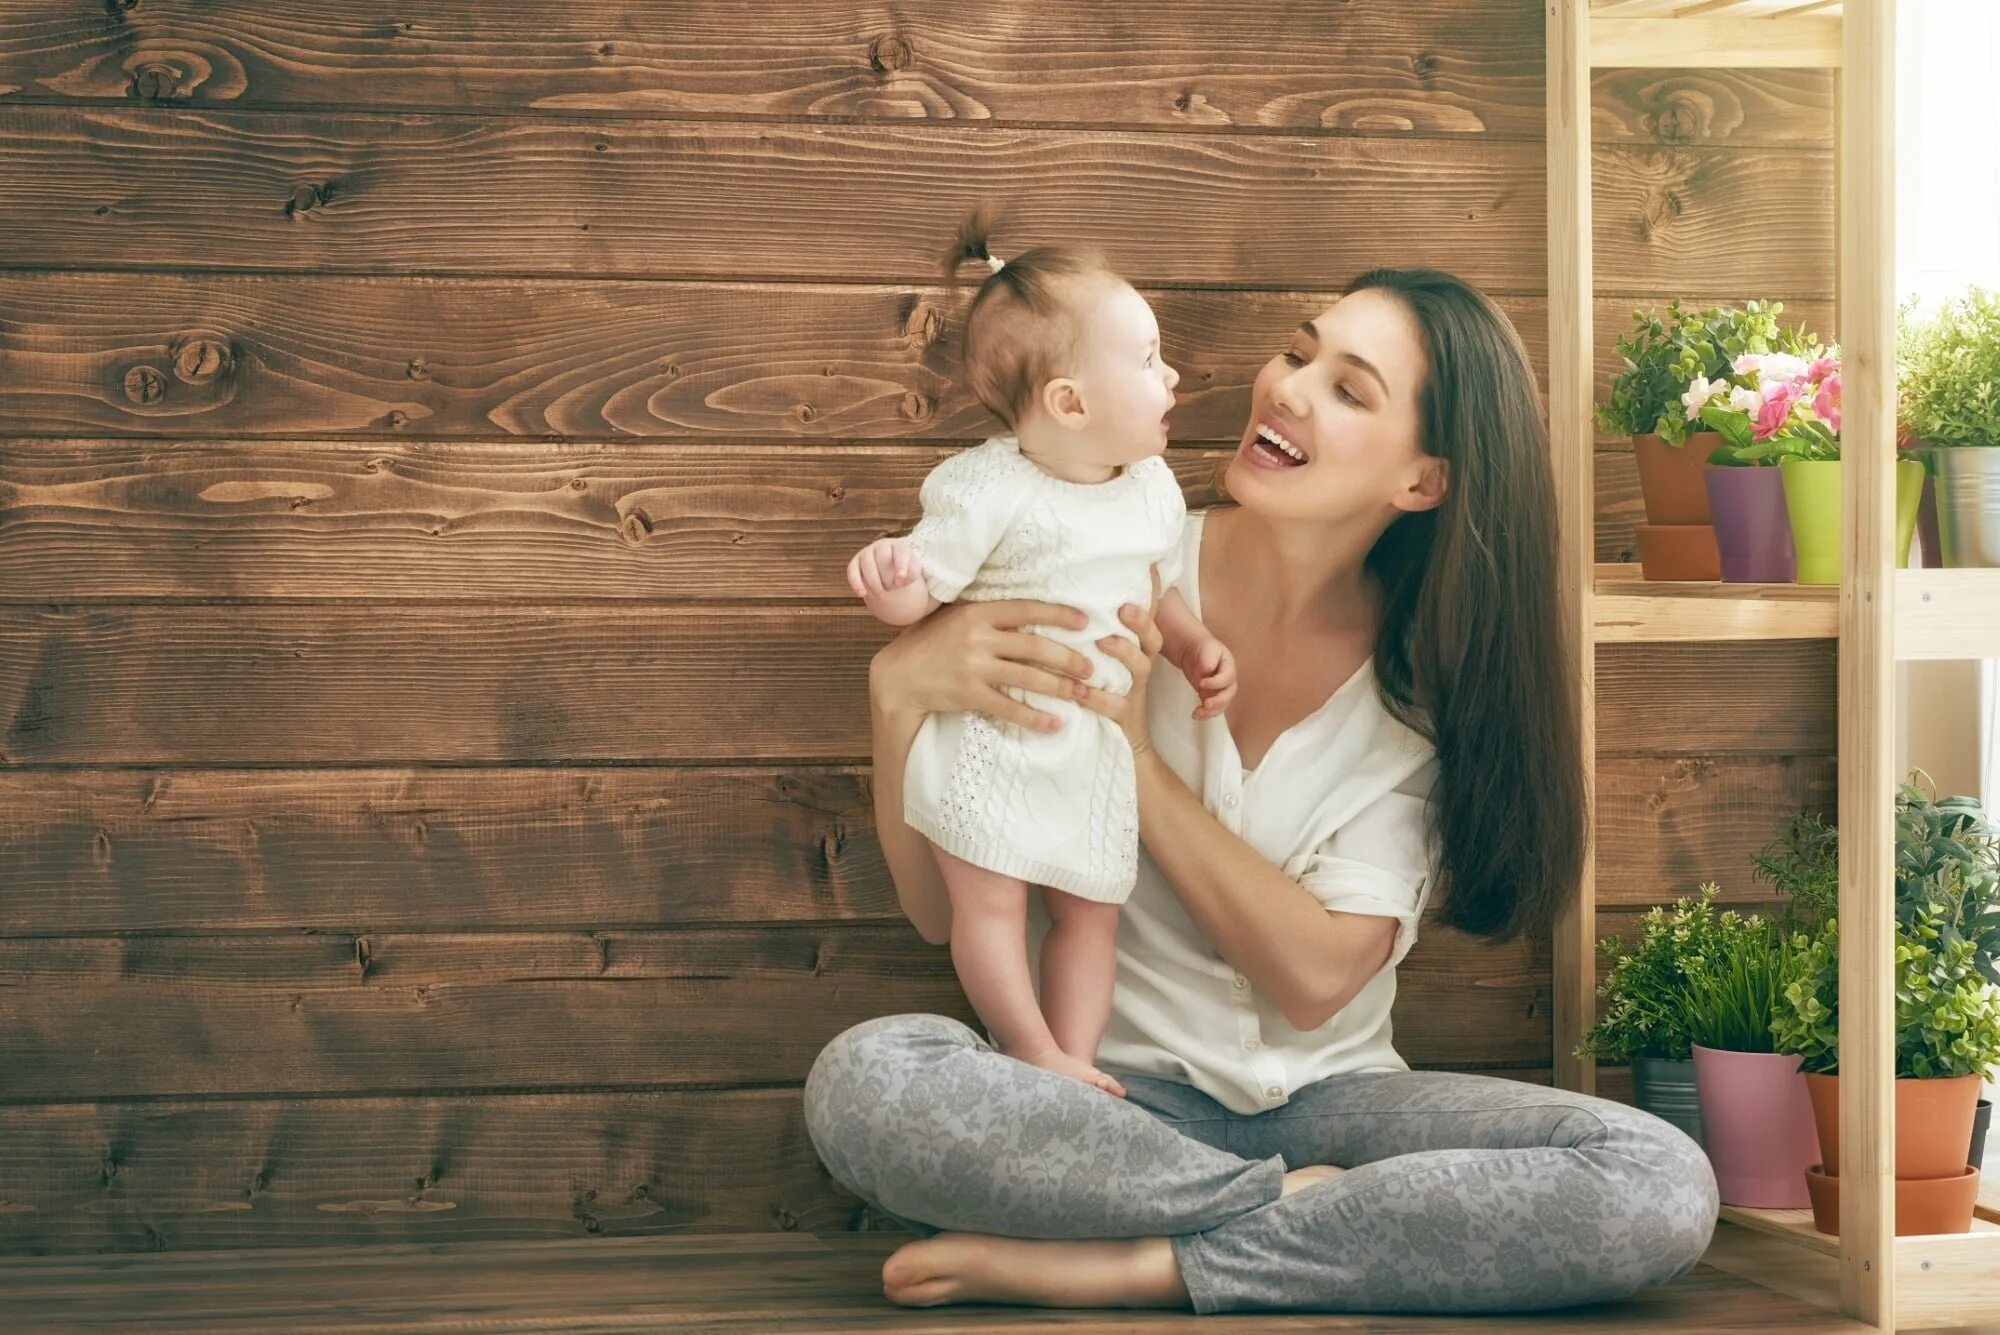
(1679, 552)
(1670, 477)
(1757, 1126)
(1923, 1204)
(1933, 1123)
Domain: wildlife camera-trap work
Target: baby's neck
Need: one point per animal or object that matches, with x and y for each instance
(1057, 453)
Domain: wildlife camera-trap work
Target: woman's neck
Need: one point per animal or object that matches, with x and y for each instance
(1309, 576)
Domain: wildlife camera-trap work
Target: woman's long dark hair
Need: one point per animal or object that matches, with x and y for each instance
(1473, 649)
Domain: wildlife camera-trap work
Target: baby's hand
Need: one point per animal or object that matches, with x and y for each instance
(1213, 676)
(883, 566)
(888, 577)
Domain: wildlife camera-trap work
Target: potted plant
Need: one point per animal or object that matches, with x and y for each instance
(1949, 381)
(1755, 1113)
(1787, 412)
(1947, 912)
(1662, 356)
(1644, 1018)
(1947, 1028)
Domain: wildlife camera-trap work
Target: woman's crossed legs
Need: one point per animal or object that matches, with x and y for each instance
(1464, 1193)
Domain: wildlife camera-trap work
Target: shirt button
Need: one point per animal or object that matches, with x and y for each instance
(1274, 1092)
(1241, 982)
(1230, 800)
(1251, 1045)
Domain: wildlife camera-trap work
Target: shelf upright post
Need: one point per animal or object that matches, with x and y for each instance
(1571, 442)
(1867, 222)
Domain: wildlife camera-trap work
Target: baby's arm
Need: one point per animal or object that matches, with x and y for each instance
(887, 576)
(1202, 658)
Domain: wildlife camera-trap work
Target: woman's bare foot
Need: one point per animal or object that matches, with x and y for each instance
(1301, 1178)
(977, 1268)
(1055, 1059)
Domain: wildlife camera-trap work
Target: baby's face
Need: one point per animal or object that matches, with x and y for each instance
(1128, 388)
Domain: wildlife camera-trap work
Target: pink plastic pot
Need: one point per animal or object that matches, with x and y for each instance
(1757, 1122)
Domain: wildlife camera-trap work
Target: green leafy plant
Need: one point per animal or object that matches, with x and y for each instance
(1803, 865)
(1949, 376)
(1663, 354)
(1947, 1012)
(1644, 995)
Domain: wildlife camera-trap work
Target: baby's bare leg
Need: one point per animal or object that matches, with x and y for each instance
(989, 949)
(1079, 964)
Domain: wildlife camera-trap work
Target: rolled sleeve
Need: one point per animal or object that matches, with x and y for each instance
(1377, 863)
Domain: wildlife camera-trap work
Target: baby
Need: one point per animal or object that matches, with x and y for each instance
(1073, 506)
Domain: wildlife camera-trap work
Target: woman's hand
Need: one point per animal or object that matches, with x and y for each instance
(1128, 711)
(958, 659)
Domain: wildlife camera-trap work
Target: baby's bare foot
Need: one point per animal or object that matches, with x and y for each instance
(1301, 1178)
(1055, 1059)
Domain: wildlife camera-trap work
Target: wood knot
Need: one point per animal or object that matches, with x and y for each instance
(1425, 65)
(577, 484)
(889, 54)
(637, 527)
(915, 407)
(144, 384)
(418, 369)
(306, 198)
(924, 327)
(156, 81)
(1678, 122)
(120, 8)
(199, 360)
(1183, 101)
(835, 493)
(397, 419)
(806, 413)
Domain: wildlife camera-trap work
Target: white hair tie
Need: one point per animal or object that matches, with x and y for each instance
(995, 263)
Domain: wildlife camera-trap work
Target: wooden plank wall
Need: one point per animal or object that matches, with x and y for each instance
(433, 799)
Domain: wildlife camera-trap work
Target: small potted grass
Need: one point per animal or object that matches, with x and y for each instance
(1949, 398)
(1755, 1113)
(1644, 1020)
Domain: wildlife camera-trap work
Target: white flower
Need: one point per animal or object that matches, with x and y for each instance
(1697, 396)
(1747, 363)
(1746, 401)
(1775, 367)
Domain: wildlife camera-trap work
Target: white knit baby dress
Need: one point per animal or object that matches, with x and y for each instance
(1053, 808)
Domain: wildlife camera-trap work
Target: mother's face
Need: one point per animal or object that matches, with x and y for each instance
(1343, 396)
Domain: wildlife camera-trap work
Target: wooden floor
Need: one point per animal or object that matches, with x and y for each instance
(801, 1283)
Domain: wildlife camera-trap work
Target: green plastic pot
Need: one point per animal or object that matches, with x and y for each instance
(1812, 500)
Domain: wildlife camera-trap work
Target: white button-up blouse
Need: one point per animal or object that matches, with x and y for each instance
(1339, 803)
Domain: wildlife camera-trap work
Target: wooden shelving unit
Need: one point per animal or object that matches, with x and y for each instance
(1878, 613)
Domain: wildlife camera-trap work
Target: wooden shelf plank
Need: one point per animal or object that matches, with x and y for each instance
(1715, 41)
(1631, 610)
(1948, 614)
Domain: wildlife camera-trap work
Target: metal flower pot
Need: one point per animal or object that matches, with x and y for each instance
(1666, 1090)
(1968, 493)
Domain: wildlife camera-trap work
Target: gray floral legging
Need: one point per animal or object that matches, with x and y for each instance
(1464, 1193)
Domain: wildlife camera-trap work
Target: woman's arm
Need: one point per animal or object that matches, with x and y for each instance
(959, 659)
(919, 884)
(1309, 960)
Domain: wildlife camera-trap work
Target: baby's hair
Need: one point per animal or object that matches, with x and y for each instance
(1021, 330)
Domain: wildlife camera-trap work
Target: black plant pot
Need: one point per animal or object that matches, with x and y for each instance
(1980, 1121)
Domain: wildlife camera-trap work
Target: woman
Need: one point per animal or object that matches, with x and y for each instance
(1404, 730)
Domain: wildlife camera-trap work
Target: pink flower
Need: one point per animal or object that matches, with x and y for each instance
(1826, 366)
(1777, 407)
(1827, 402)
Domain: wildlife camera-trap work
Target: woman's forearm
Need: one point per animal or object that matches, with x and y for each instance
(1307, 961)
(919, 884)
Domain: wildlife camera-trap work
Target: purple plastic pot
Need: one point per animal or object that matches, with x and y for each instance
(1751, 526)
(1757, 1126)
